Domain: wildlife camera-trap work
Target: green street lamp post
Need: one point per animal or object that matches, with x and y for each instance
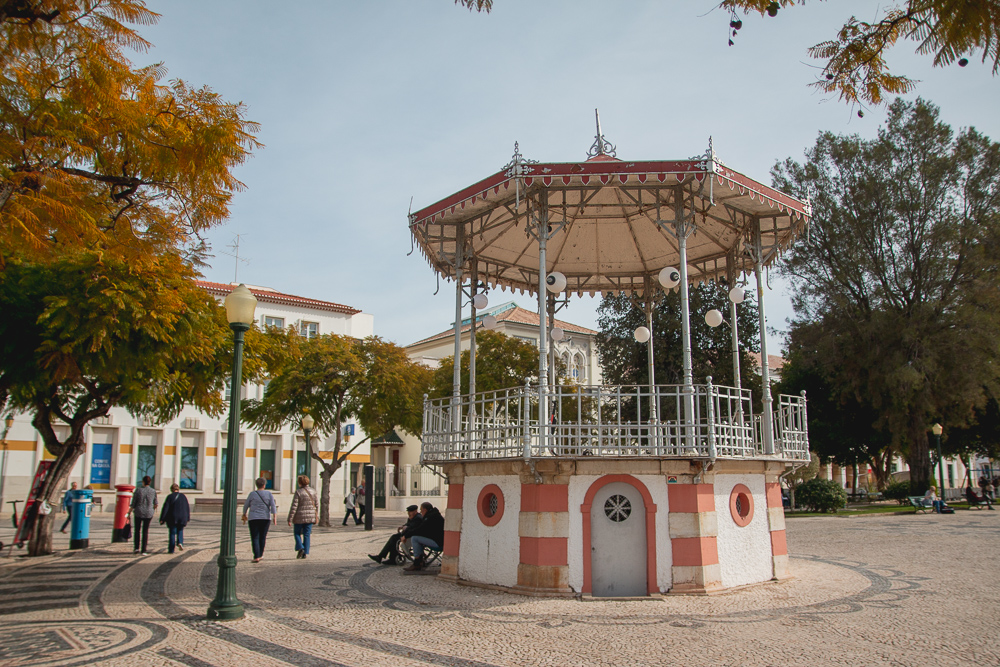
(937, 430)
(307, 425)
(240, 305)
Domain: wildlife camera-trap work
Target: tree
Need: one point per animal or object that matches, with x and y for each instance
(97, 154)
(502, 362)
(898, 275)
(86, 333)
(854, 62)
(335, 378)
(841, 428)
(624, 361)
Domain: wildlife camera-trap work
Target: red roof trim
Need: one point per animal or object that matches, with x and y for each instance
(221, 289)
(603, 169)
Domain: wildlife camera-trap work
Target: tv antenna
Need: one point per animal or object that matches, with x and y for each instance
(235, 254)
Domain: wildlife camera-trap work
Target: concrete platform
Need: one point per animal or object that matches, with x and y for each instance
(879, 590)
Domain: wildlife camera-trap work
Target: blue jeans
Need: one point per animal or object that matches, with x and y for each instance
(420, 543)
(302, 533)
(176, 537)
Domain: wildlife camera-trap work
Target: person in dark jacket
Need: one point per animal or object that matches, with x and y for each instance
(175, 513)
(428, 534)
(389, 550)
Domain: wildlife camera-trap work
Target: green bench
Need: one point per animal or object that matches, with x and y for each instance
(920, 504)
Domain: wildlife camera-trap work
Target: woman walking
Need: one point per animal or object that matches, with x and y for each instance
(350, 507)
(143, 509)
(303, 513)
(260, 511)
(175, 513)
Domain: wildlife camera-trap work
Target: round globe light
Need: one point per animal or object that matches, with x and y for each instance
(555, 282)
(557, 333)
(736, 295)
(713, 318)
(240, 304)
(480, 301)
(641, 335)
(670, 277)
(308, 422)
(490, 322)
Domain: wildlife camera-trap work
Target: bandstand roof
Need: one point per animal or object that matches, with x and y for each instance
(612, 221)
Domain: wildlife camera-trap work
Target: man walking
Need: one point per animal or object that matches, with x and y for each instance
(176, 513)
(143, 509)
(67, 504)
(360, 495)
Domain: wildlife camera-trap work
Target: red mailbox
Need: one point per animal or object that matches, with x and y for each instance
(123, 498)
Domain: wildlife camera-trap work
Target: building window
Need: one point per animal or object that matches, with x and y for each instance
(229, 390)
(741, 505)
(276, 322)
(189, 468)
(146, 462)
(579, 368)
(309, 329)
(527, 339)
(490, 505)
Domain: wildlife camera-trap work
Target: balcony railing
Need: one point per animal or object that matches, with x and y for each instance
(712, 421)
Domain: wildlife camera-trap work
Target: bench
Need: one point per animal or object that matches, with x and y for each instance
(920, 504)
(208, 505)
(975, 501)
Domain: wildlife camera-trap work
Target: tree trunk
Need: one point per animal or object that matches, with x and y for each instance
(40, 540)
(919, 458)
(324, 497)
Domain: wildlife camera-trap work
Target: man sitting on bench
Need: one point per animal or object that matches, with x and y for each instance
(389, 550)
(975, 500)
(429, 534)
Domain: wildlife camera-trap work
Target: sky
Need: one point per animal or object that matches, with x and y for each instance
(367, 108)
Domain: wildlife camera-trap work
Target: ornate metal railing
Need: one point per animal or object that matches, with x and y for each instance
(612, 421)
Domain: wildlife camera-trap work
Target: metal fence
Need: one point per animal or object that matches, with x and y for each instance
(612, 421)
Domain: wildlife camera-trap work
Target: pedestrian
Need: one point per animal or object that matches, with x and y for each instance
(175, 513)
(260, 511)
(303, 513)
(361, 500)
(413, 518)
(990, 494)
(428, 534)
(143, 509)
(349, 507)
(67, 504)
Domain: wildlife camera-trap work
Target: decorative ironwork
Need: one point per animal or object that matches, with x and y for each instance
(601, 146)
(518, 164)
(617, 508)
(494, 505)
(589, 420)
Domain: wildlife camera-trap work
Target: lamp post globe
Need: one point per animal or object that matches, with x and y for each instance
(713, 318)
(240, 305)
(736, 295)
(641, 334)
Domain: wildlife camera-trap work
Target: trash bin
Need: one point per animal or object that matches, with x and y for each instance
(123, 498)
(79, 534)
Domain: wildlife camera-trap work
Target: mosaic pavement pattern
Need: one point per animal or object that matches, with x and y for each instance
(881, 590)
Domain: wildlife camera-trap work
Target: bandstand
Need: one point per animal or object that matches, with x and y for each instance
(554, 489)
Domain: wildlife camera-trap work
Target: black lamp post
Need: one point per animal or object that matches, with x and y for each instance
(937, 430)
(240, 305)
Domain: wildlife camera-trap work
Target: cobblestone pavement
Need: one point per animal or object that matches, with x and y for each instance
(878, 590)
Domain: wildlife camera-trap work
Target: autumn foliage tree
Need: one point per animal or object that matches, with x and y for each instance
(335, 378)
(108, 176)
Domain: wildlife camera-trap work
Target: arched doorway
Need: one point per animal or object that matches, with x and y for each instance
(619, 558)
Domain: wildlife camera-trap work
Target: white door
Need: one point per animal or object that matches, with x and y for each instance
(618, 542)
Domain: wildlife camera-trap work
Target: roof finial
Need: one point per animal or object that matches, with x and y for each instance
(601, 146)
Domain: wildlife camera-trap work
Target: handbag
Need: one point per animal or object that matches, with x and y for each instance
(127, 530)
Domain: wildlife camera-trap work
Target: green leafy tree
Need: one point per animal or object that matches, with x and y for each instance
(335, 378)
(841, 427)
(897, 279)
(502, 362)
(822, 495)
(86, 333)
(624, 361)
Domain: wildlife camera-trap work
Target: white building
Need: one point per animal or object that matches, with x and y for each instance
(190, 449)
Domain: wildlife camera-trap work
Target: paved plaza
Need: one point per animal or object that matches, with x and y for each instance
(875, 590)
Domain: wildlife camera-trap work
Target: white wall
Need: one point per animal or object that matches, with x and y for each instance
(744, 552)
(490, 554)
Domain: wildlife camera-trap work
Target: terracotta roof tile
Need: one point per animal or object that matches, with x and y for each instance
(271, 296)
